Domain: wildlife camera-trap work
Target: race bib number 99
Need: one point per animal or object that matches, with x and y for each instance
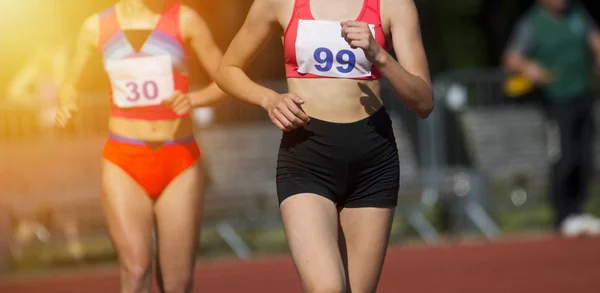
(140, 82)
(321, 50)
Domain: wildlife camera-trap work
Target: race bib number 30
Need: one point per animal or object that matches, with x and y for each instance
(321, 50)
(140, 82)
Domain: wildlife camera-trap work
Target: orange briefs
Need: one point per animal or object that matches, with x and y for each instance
(152, 169)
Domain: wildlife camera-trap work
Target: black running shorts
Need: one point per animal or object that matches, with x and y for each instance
(352, 164)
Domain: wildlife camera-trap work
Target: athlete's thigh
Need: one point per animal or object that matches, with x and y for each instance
(311, 227)
(128, 216)
(364, 237)
(178, 213)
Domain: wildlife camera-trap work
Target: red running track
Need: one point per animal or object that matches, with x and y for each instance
(549, 265)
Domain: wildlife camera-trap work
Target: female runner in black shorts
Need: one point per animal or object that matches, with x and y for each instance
(338, 169)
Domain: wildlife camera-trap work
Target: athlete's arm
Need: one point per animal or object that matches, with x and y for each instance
(593, 37)
(409, 76)
(195, 30)
(515, 57)
(594, 40)
(68, 95)
(255, 33)
(24, 78)
(261, 22)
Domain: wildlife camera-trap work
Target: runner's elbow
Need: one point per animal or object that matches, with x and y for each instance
(220, 76)
(224, 71)
(425, 108)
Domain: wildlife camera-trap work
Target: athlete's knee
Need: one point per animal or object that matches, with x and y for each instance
(136, 275)
(177, 283)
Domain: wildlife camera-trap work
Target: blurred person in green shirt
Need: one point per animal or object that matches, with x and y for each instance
(556, 47)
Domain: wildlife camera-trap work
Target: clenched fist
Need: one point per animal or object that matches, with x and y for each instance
(358, 35)
(65, 114)
(179, 102)
(286, 111)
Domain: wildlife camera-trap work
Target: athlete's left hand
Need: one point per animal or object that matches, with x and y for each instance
(179, 102)
(358, 35)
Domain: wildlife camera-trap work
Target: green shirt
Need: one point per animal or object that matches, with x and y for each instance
(561, 46)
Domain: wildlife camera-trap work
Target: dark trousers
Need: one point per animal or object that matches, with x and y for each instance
(570, 142)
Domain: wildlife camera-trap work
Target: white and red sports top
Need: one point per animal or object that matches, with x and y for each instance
(141, 79)
(316, 49)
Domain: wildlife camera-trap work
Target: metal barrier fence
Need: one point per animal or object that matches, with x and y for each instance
(483, 153)
(448, 176)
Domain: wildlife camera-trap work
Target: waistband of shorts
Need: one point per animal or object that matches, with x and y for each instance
(127, 140)
(378, 119)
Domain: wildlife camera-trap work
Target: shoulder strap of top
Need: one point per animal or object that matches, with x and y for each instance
(172, 9)
(301, 8)
(300, 3)
(374, 9)
(170, 20)
(108, 25)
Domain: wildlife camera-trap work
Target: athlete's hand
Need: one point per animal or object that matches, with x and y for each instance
(358, 35)
(536, 73)
(179, 102)
(286, 111)
(65, 114)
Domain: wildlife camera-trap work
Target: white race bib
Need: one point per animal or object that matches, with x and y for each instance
(321, 50)
(140, 82)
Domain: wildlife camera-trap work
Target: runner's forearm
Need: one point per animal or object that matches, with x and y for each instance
(207, 96)
(412, 90)
(233, 81)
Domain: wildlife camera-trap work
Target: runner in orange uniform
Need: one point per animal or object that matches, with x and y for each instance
(150, 178)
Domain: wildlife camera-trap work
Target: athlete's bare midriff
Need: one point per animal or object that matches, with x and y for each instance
(337, 100)
(334, 99)
(156, 130)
